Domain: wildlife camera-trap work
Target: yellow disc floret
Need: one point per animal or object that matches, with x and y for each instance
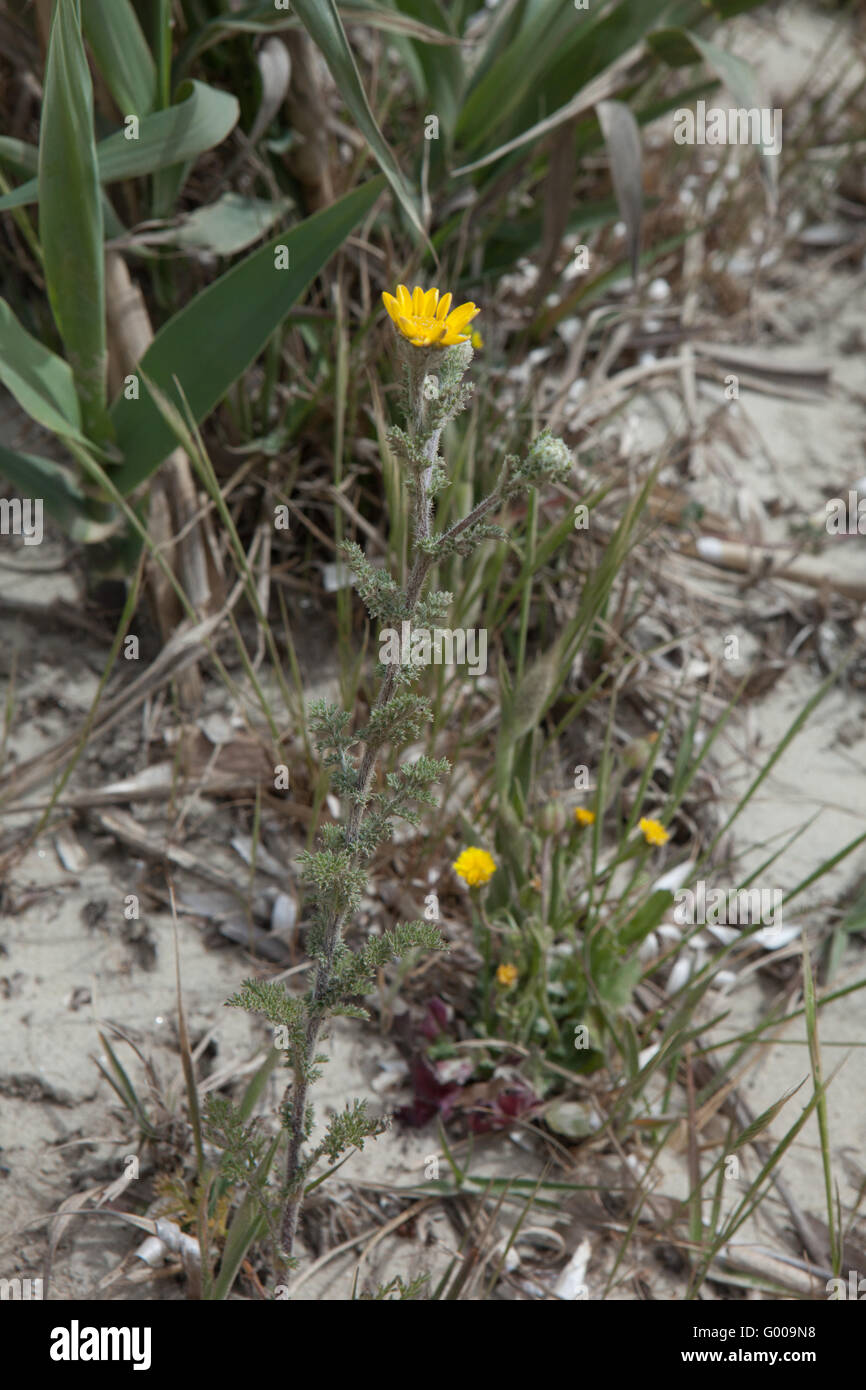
(654, 832)
(475, 866)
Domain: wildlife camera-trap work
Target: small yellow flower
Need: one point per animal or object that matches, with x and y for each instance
(654, 832)
(423, 317)
(584, 817)
(475, 866)
(476, 339)
(507, 975)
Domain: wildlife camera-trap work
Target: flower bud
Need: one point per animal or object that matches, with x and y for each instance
(637, 754)
(552, 818)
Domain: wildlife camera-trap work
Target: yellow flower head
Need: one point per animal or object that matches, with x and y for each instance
(475, 866)
(507, 975)
(476, 339)
(654, 832)
(423, 317)
(584, 817)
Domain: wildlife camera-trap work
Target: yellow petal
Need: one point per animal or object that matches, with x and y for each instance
(406, 326)
(458, 318)
(444, 305)
(428, 308)
(404, 299)
(391, 304)
(429, 336)
(417, 300)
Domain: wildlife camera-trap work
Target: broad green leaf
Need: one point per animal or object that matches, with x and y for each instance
(737, 76)
(622, 137)
(201, 118)
(61, 496)
(114, 34)
(41, 382)
(70, 214)
(224, 228)
(211, 342)
(20, 156)
(275, 74)
(322, 22)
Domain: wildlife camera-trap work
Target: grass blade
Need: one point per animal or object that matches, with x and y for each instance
(123, 1086)
(810, 1006)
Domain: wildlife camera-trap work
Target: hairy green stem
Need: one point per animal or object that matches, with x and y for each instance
(434, 395)
(300, 1086)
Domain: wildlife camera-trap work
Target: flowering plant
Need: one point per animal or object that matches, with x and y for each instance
(435, 353)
